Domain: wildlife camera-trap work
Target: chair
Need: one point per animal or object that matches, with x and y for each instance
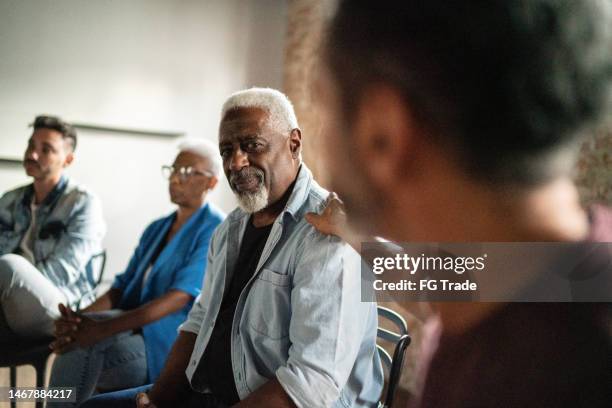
(393, 364)
(95, 279)
(36, 352)
(26, 352)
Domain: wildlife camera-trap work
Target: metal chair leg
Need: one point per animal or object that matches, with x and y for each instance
(40, 367)
(13, 382)
(396, 369)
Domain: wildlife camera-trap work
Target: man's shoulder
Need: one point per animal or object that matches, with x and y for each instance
(77, 189)
(314, 202)
(76, 198)
(14, 194)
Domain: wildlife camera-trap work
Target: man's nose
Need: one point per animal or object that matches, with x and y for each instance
(239, 160)
(31, 154)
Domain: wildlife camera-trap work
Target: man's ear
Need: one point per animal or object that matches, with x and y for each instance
(384, 135)
(295, 142)
(69, 159)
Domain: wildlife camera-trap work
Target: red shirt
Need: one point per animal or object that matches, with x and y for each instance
(525, 354)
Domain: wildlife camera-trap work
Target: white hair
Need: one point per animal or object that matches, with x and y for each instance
(205, 149)
(282, 116)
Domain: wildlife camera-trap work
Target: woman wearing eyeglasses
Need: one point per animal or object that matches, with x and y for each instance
(122, 340)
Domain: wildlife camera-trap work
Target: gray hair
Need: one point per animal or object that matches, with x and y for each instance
(282, 116)
(205, 149)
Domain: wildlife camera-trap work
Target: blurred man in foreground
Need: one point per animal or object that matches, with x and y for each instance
(459, 121)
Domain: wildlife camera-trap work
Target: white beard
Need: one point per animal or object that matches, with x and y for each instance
(253, 202)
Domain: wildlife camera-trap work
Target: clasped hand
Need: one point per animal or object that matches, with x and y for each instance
(75, 330)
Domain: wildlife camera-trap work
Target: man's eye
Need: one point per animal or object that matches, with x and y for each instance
(225, 153)
(251, 146)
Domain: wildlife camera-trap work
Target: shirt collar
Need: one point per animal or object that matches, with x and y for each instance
(51, 198)
(300, 191)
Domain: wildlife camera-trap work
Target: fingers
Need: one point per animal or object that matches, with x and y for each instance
(335, 203)
(63, 328)
(143, 401)
(334, 199)
(68, 314)
(313, 219)
(62, 309)
(61, 344)
(67, 323)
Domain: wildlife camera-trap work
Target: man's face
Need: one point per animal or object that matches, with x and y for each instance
(187, 189)
(47, 154)
(258, 161)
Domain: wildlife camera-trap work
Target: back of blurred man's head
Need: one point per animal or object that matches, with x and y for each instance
(507, 86)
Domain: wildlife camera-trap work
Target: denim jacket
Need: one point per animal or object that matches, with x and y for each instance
(300, 318)
(69, 231)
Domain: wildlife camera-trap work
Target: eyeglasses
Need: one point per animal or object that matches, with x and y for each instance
(184, 173)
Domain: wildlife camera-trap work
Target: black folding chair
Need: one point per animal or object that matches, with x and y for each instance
(394, 364)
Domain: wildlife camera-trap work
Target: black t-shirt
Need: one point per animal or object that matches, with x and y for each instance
(216, 363)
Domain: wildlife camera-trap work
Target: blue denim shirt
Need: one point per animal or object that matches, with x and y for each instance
(300, 318)
(69, 231)
(181, 265)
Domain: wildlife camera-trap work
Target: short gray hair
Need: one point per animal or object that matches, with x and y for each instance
(205, 149)
(282, 116)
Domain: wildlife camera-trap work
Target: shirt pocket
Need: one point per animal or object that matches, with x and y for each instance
(267, 310)
(44, 248)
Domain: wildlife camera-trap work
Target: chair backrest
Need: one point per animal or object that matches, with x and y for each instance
(95, 275)
(391, 336)
(95, 268)
(401, 339)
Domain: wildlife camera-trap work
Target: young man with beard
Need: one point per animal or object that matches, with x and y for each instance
(458, 122)
(49, 231)
(280, 322)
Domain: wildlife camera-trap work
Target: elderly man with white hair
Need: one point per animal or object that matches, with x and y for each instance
(122, 340)
(280, 322)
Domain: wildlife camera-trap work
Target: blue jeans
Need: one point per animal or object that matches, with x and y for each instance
(115, 363)
(127, 399)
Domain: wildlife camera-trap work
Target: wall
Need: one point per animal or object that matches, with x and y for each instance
(594, 168)
(306, 27)
(161, 65)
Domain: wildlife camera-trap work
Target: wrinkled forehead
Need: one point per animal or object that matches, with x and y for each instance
(242, 122)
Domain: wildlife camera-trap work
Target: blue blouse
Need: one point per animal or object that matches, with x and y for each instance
(180, 265)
